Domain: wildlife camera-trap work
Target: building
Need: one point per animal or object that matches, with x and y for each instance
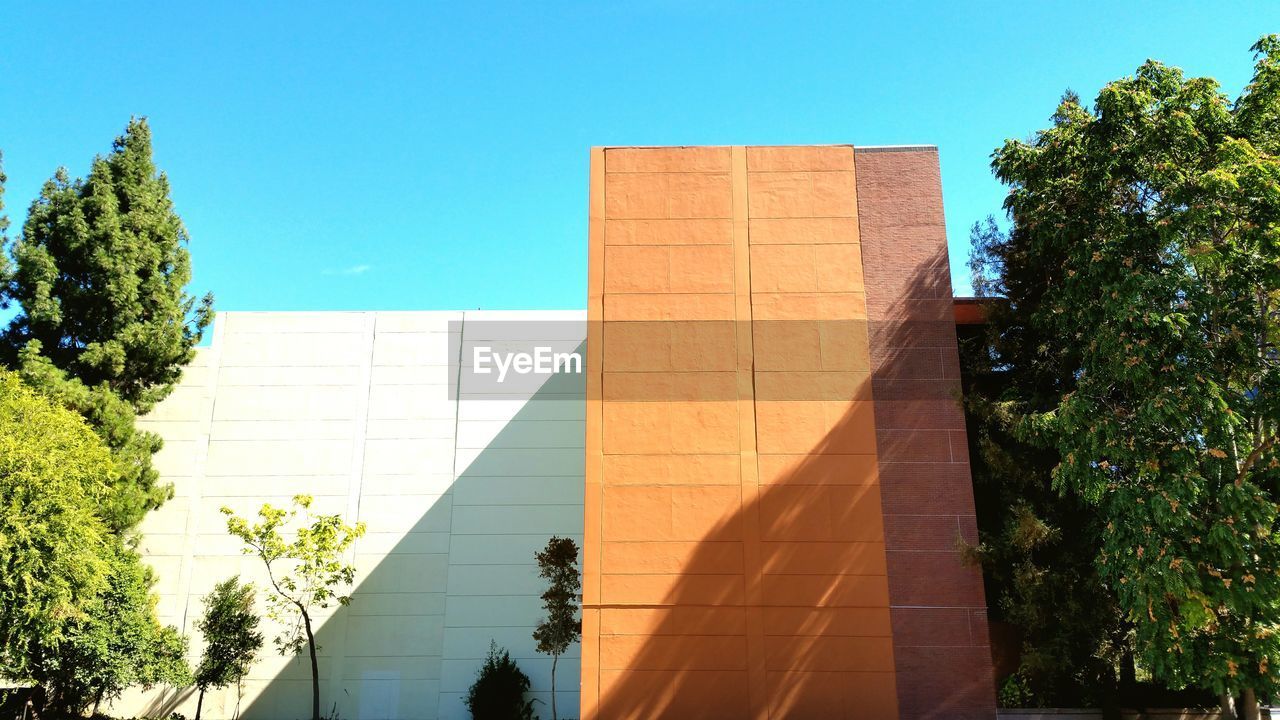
(763, 460)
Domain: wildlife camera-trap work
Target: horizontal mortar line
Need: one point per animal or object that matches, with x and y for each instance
(619, 219)
(720, 606)
(744, 632)
(917, 551)
(799, 171)
(983, 608)
(526, 596)
(717, 244)
(674, 242)
(299, 386)
(739, 573)
(923, 462)
(496, 627)
(456, 533)
(753, 217)
(726, 173)
(398, 657)
(720, 173)
(565, 504)
(517, 447)
(716, 542)
(398, 615)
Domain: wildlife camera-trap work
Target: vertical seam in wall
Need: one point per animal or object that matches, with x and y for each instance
(875, 425)
(457, 413)
(448, 563)
(195, 501)
(748, 457)
(593, 480)
(355, 490)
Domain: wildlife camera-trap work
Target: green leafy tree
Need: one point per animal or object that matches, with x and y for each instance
(105, 325)
(305, 573)
(499, 690)
(1155, 217)
(232, 640)
(53, 470)
(558, 565)
(114, 642)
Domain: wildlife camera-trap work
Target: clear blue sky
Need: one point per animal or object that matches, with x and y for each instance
(434, 155)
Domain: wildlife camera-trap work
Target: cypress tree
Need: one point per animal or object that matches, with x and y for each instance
(105, 324)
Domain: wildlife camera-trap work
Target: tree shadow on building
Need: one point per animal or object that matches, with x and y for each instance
(425, 608)
(835, 587)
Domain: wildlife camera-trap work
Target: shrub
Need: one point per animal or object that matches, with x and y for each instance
(498, 692)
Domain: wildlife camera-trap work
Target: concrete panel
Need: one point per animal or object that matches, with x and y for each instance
(409, 456)
(277, 457)
(522, 491)
(546, 520)
(286, 403)
(293, 350)
(308, 377)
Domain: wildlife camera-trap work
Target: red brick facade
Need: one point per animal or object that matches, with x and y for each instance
(938, 610)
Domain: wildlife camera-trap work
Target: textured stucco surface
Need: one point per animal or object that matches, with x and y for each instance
(457, 492)
(734, 540)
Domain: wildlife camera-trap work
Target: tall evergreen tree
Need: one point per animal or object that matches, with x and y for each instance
(105, 325)
(558, 565)
(4, 239)
(1038, 545)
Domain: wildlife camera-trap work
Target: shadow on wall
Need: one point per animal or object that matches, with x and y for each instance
(785, 603)
(420, 621)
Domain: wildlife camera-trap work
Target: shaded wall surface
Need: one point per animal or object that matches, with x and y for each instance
(766, 433)
(457, 489)
(941, 642)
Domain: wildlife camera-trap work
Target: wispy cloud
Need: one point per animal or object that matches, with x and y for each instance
(351, 270)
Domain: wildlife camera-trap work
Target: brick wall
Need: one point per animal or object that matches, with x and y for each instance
(937, 604)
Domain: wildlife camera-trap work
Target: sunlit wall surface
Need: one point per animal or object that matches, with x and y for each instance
(365, 412)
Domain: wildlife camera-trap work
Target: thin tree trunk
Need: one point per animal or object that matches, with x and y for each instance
(199, 703)
(1227, 706)
(1248, 704)
(315, 667)
(554, 659)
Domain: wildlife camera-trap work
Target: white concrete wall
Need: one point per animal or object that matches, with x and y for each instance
(354, 408)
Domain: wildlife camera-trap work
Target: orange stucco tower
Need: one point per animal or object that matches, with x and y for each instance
(775, 475)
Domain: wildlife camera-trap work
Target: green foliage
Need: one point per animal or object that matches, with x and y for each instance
(230, 629)
(105, 325)
(132, 487)
(1015, 692)
(53, 471)
(305, 573)
(558, 565)
(5, 269)
(1038, 547)
(499, 690)
(115, 642)
(1148, 233)
(103, 329)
